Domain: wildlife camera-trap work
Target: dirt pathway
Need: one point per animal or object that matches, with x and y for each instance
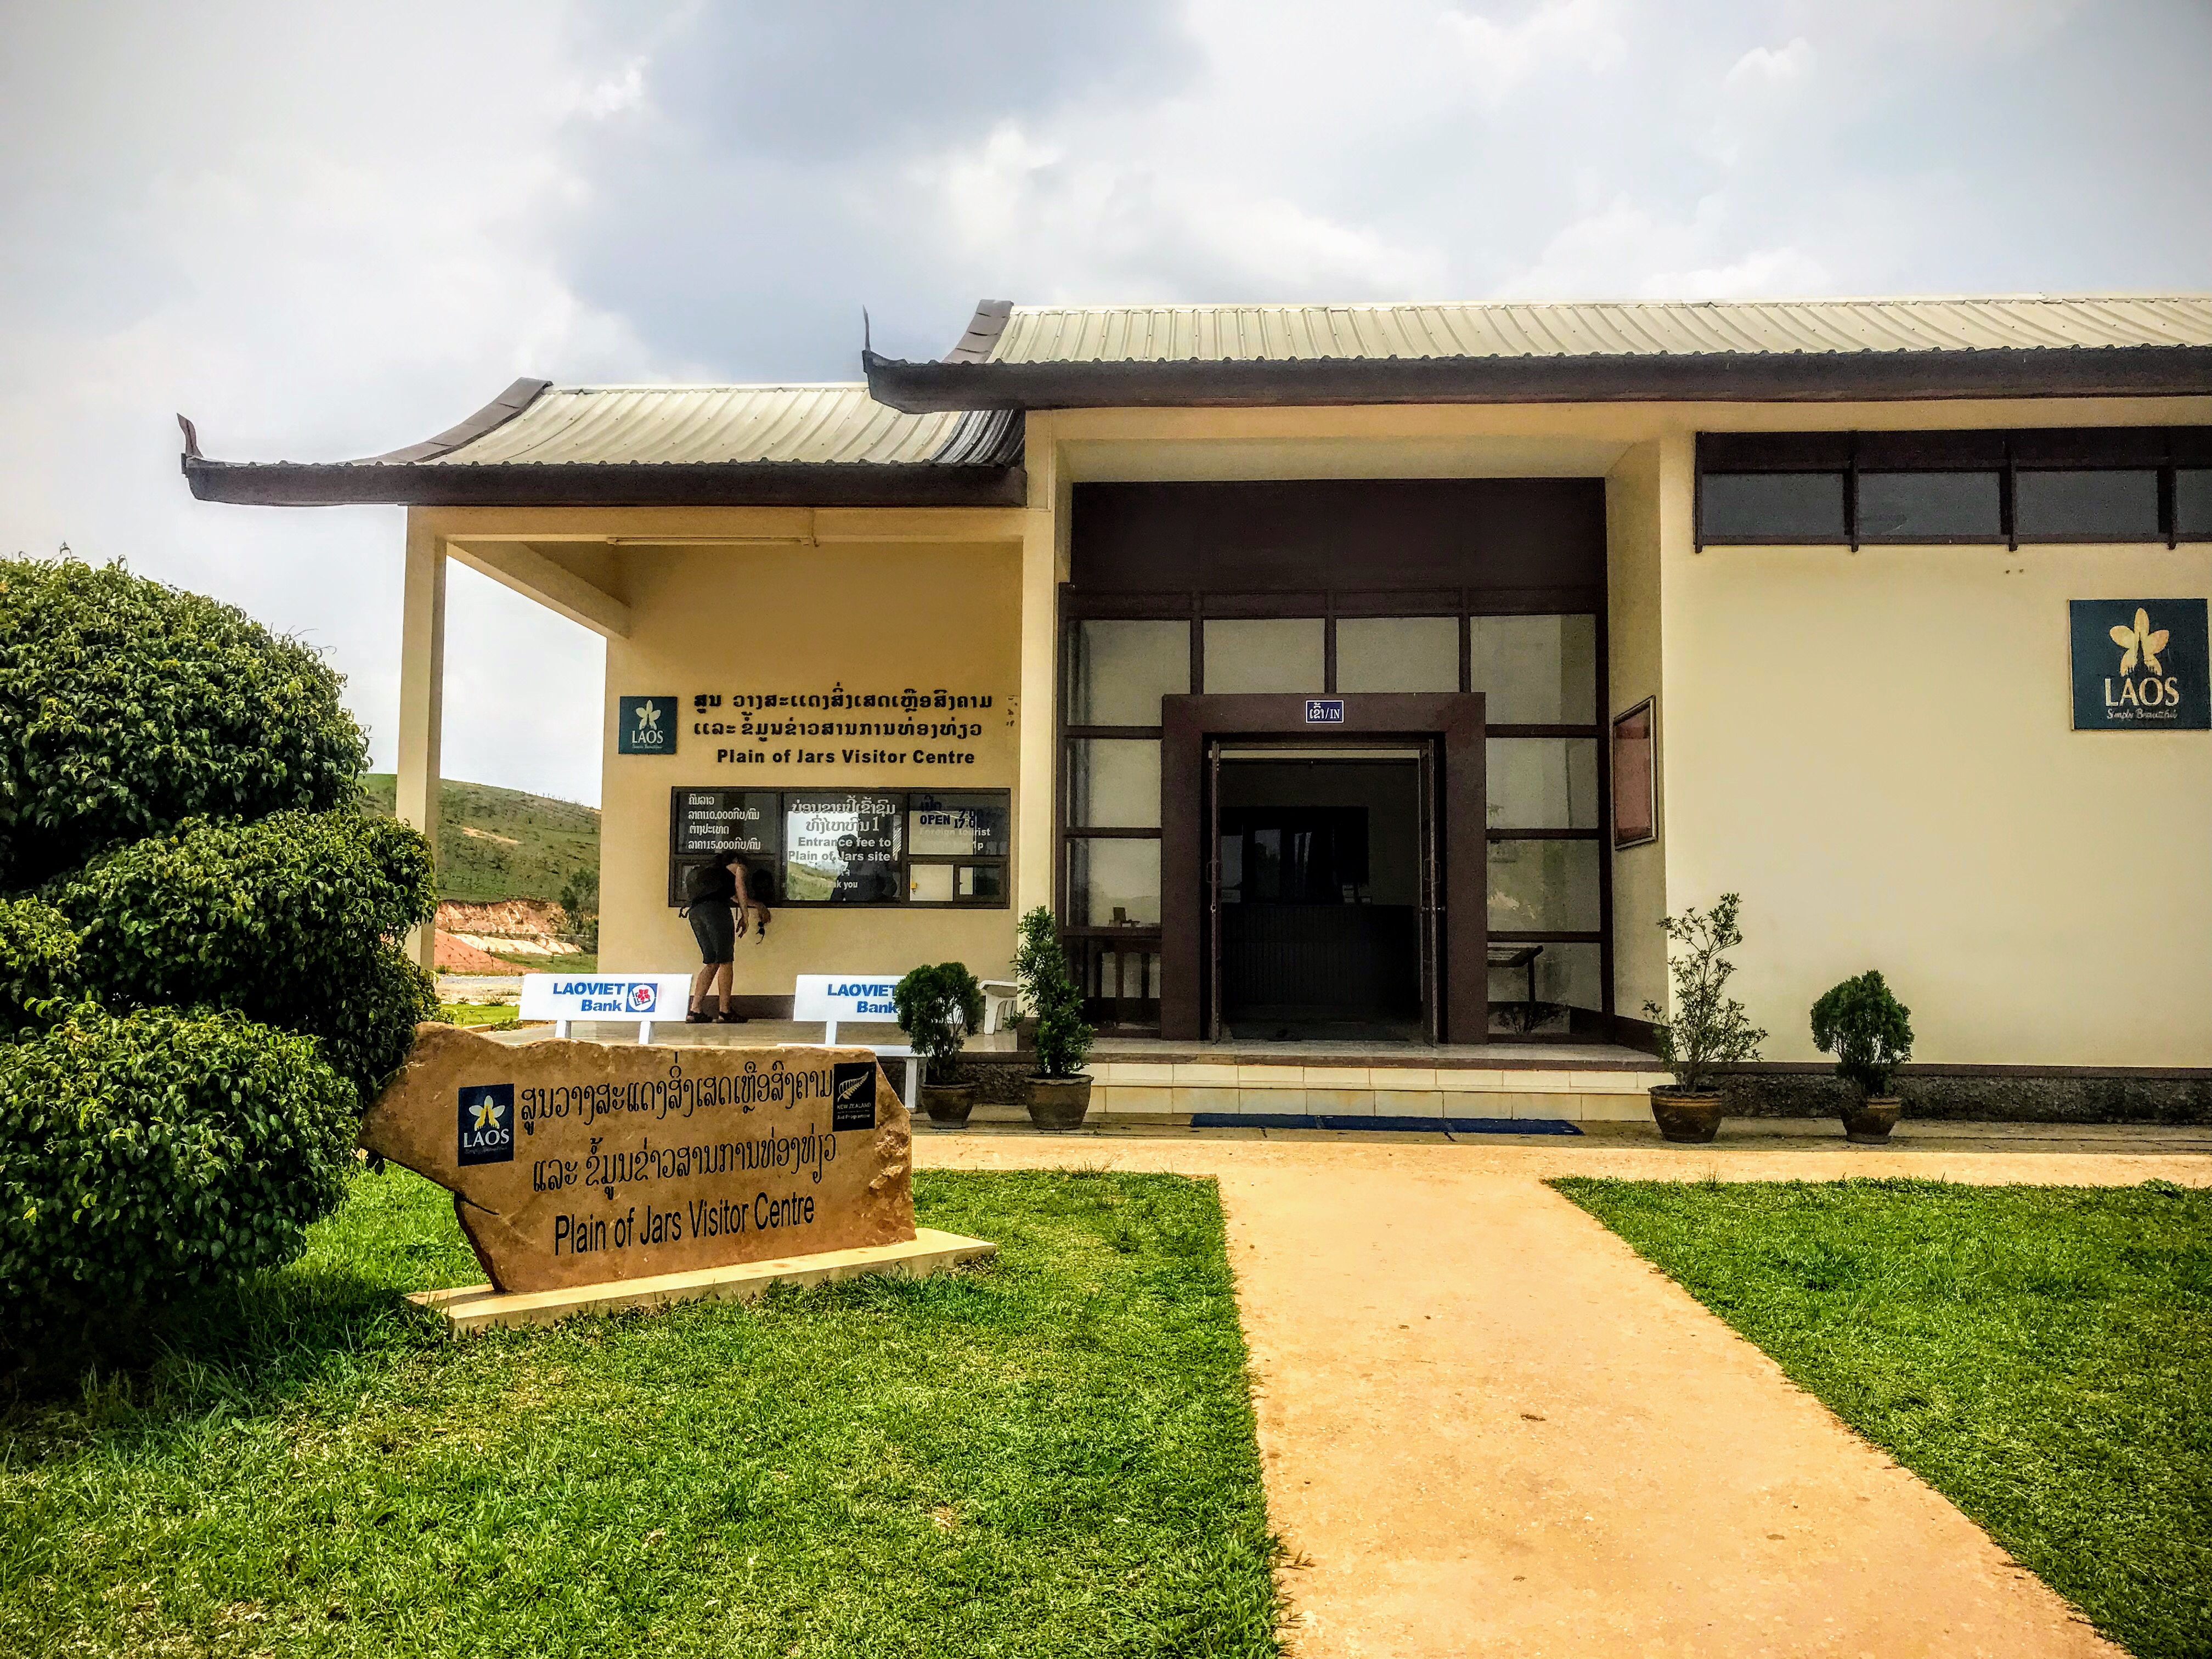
(1489, 1428)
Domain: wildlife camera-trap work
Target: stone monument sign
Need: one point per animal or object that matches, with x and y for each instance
(575, 1164)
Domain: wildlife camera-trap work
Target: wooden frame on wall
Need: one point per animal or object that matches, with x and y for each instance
(1634, 769)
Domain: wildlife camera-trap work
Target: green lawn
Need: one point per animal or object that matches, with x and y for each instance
(477, 1013)
(1051, 1455)
(2041, 1355)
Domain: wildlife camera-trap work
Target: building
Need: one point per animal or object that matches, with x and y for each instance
(1393, 669)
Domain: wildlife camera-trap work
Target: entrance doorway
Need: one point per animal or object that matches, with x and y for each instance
(1310, 813)
(1323, 871)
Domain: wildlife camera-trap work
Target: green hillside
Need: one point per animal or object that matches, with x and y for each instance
(499, 843)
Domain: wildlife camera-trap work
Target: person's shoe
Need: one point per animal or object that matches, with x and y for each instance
(698, 1016)
(730, 1016)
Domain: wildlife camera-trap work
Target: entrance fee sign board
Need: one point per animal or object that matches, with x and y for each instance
(2140, 665)
(572, 1164)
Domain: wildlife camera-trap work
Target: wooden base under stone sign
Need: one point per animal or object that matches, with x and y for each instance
(575, 1164)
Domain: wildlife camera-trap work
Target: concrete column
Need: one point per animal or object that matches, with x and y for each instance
(1044, 540)
(422, 695)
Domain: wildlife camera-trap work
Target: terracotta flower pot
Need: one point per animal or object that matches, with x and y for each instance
(1688, 1119)
(948, 1104)
(1059, 1103)
(1869, 1122)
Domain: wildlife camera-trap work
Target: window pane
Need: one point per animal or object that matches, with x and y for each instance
(2090, 507)
(1902, 505)
(841, 847)
(1119, 670)
(1277, 656)
(2192, 501)
(1541, 783)
(956, 824)
(1397, 653)
(1567, 976)
(1543, 887)
(1775, 507)
(982, 881)
(1536, 670)
(929, 883)
(1112, 881)
(1114, 783)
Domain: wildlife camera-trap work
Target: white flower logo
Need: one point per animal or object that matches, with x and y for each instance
(2139, 641)
(648, 714)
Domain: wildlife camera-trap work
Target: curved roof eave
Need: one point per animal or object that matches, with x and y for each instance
(608, 483)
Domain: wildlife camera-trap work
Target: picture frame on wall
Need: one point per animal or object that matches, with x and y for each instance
(1635, 776)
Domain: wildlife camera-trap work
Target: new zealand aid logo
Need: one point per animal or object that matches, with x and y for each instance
(486, 1111)
(852, 1095)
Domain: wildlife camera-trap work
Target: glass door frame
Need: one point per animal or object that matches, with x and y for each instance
(1452, 722)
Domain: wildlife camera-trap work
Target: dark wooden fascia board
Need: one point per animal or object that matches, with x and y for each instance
(1709, 377)
(750, 483)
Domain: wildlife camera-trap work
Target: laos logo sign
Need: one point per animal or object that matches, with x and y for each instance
(486, 1123)
(2140, 666)
(645, 726)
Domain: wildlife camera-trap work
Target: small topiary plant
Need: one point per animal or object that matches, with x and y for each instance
(1708, 1028)
(937, 1008)
(293, 920)
(127, 707)
(145, 1155)
(1063, 1037)
(1868, 1029)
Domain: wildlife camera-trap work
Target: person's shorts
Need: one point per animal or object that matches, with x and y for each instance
(715, 927)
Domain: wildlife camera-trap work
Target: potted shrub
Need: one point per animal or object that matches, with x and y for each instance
(937, 1008)
(1060, 1092)
(1870, 1033)
(1708, 1029)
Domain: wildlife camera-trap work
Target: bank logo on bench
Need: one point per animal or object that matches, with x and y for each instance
(642, 996)
(486, 1123)
(852, 1095)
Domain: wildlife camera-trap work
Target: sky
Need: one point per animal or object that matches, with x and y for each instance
(327, 231)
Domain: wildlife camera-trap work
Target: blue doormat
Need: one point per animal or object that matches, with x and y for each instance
(1458, 1126)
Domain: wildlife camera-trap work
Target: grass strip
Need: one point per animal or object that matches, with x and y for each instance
(2041, 1355)
(1051, 1455)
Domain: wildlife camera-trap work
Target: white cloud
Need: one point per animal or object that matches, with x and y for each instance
(1766, 67)
(1582, 35)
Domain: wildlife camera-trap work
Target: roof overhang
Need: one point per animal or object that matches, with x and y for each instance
(2122, 371)
(736, 484)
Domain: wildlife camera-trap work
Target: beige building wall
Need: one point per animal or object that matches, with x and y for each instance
(805, 619)
(1874, 749)
(1635, 521)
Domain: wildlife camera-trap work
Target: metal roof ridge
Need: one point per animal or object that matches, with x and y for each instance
(1717, 302)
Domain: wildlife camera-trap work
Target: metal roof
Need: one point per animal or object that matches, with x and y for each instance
(1505, 351)
(703, 445)
(808, 424)
(1287, 333)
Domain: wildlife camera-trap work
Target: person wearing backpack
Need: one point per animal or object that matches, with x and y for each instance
(718, 901)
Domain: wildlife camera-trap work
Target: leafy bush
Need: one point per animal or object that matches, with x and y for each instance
(144, 1155)
(579, 907)
(1868, 1029)
(1708, 1028)
(1063, 1038)
(293, 921)
(127, 708)
(937, 1008)
(37, 964)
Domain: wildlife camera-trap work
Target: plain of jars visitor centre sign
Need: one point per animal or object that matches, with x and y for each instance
(1389, 672)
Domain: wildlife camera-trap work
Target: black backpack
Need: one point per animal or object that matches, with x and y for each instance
(703, 882)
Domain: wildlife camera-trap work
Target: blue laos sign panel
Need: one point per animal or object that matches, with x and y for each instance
(645, 726)
(2140, 666)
